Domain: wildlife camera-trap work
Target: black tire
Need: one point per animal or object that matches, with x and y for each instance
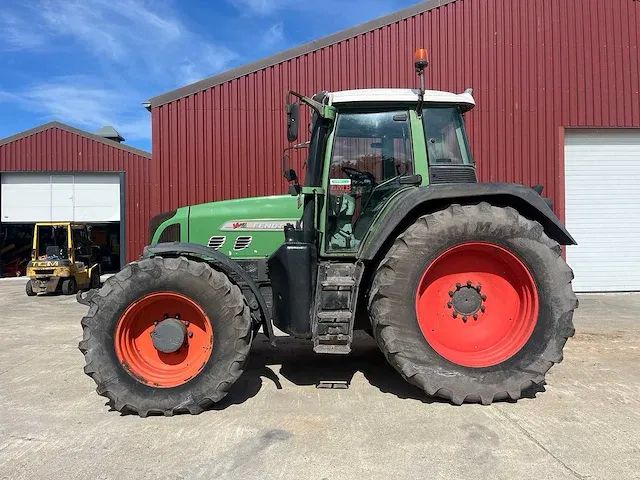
(221, 300)
(29, 289)
(95, 278)
(69, 286)
(392, 303)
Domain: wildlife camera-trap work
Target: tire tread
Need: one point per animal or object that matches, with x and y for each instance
(395, 345)
(231, 295)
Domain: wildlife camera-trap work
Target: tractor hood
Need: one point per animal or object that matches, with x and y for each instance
(242, 228)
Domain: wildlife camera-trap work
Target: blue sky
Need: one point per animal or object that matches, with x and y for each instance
(91, 63)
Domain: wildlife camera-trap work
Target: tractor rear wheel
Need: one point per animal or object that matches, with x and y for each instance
(473, 304)
(165, 336)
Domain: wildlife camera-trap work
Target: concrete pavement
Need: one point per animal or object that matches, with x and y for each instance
(276, 424)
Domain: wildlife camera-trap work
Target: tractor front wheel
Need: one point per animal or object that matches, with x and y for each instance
(165, 336)
(473, 304)
(29, 289)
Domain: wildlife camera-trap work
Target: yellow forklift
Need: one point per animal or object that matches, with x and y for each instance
(62, 259)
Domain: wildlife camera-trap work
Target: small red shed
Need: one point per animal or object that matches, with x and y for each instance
(55, 172)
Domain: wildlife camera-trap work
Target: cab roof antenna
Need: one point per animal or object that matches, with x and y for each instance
(421, 63)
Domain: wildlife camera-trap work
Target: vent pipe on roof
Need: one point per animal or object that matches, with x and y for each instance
(110, 133)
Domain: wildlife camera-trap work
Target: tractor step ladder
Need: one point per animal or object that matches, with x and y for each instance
(336, 299)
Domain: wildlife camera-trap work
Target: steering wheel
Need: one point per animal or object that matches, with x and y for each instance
(359, 176)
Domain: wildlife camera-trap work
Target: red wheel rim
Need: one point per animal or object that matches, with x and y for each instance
(137, 353)
(477, 304)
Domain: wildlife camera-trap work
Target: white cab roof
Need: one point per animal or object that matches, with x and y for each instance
(399, 95)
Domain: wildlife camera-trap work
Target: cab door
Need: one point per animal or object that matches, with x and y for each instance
(370, 152)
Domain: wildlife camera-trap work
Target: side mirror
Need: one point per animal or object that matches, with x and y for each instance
(291, 175)
(293, 113)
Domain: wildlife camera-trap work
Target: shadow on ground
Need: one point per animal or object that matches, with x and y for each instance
(298, 364)
(301, 366)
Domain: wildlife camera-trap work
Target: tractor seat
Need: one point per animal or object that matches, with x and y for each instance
(53, 251)
(80, 266)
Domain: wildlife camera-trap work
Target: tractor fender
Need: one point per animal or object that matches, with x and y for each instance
(423, 200)
(220, 262)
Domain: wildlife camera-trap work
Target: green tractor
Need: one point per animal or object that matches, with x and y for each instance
(462, 284)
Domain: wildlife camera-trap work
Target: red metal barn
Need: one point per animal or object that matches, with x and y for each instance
(557, 85)
(59, 173)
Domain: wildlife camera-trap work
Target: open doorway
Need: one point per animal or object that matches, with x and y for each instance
(106, 236)
(16, 243)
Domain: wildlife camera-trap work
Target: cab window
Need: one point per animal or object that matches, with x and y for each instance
(446, 137)
(52, 242)
(371, 152)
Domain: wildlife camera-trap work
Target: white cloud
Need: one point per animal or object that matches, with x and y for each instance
(213, 59)
(77, 104)
(120, 34)
(18, 33)
(8, 96)
(126, 40)
(190, 73)
(273, 36)
(137, 127)
(116, 29)
(259, 7)
(76, 100)
(352, 12)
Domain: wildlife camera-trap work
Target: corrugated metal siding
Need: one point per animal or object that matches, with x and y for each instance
(57, 150)
(535, 66)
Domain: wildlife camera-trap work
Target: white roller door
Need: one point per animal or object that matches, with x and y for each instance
(40, 197)
(602, 182)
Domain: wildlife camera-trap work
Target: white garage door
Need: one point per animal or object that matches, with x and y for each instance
(39, 197)
(602, 175)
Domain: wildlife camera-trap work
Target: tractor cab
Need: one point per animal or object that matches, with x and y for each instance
(378, 147)
(368, 145)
